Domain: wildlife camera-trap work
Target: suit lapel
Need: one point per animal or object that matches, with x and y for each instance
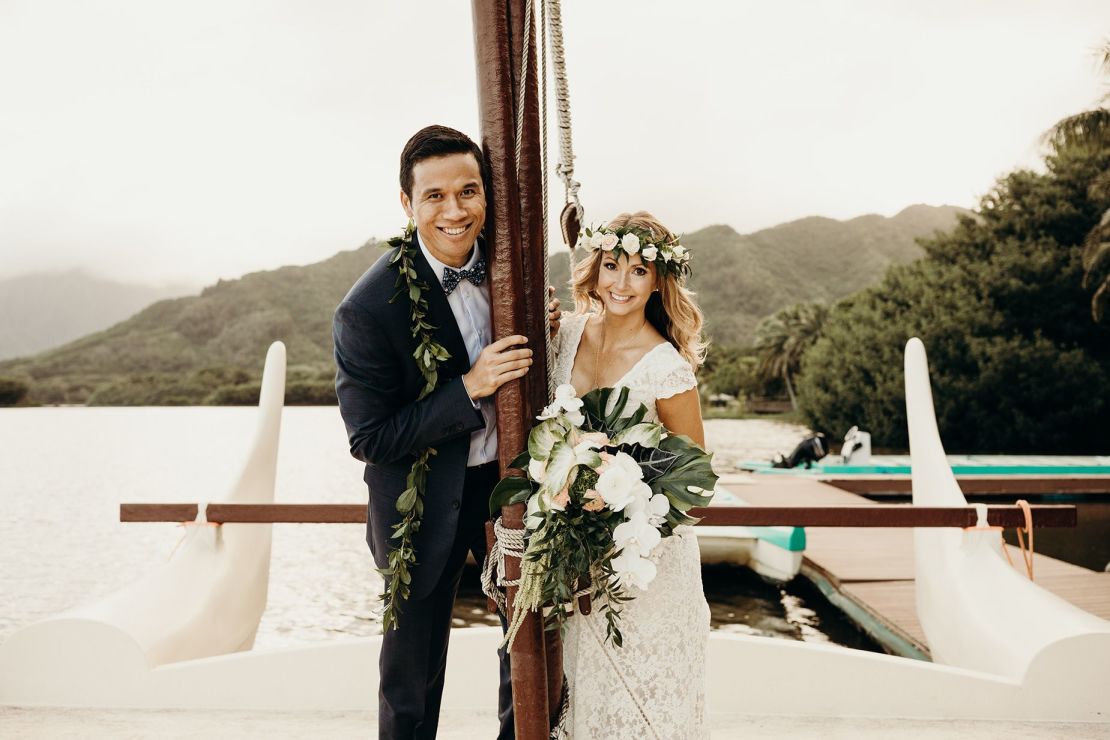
(441, 316)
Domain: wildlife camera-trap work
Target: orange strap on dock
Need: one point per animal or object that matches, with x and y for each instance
(1026, 553)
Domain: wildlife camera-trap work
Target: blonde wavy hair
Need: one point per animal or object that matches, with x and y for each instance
(671, 310)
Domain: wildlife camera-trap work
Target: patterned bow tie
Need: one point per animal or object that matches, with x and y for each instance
(476, 275)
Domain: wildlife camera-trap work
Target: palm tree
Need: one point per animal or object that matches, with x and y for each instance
(1091, 128)
(781, 340)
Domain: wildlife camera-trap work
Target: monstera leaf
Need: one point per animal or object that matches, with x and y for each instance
(594, 404)
(692, 468)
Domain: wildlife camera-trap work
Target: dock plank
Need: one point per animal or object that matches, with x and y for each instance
(875, 567)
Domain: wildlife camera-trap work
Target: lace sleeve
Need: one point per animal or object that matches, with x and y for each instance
(562, 346)
(671, 374)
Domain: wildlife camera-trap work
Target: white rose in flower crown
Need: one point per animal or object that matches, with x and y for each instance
(649, 252)
(679, 252)
(633, 570)
(596, 240)
(608, 241)
(630, 243)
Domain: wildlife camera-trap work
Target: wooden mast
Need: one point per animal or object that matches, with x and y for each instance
(514, 236)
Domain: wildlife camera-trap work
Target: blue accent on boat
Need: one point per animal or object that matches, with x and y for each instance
(788, 538)
(960, 464)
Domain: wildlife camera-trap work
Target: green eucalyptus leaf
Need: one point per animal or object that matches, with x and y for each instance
(407, 500)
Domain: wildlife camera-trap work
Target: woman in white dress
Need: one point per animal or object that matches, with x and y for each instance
(636, 326)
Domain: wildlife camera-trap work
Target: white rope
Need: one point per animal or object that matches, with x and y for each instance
(506, 542)
(549, 346)
(525, 46)
(565, 167)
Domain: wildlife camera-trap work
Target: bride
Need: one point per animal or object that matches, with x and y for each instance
(636, 326)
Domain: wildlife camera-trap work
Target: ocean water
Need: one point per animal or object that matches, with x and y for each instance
(64, 472)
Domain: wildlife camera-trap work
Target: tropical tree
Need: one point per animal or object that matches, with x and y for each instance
(1017, 365)
(1090, 129)
(782, 339)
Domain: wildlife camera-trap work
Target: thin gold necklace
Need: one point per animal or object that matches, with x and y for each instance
(600, 345)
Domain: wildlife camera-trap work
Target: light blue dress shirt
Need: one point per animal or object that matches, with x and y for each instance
(470, 305)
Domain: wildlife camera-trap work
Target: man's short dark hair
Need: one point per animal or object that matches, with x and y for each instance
(438, 141)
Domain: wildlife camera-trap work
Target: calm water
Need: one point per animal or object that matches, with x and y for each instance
(64, 472)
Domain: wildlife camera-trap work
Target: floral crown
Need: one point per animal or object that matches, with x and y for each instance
(667, 256)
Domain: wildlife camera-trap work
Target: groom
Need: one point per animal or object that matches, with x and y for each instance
(443, 190)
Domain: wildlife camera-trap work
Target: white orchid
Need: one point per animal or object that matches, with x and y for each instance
(631, 569)
(567, 402)
(638, 506)
(658, 506)
(638, 534)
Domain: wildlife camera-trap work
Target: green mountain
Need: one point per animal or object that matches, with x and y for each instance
(209, 348)
(47, 309)
(742, 278)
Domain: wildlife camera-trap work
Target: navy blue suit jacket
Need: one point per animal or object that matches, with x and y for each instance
(377, 382)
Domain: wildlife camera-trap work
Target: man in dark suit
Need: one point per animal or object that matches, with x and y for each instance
(443, 190)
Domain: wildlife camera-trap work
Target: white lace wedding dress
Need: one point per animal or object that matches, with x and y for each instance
(653, 687)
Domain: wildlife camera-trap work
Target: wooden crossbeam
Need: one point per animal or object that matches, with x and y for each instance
(879, 515)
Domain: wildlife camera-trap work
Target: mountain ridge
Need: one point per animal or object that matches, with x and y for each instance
(175, 350)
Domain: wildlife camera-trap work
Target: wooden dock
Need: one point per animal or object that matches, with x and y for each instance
(869, 572)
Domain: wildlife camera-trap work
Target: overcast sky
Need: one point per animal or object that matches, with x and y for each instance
(166, 141)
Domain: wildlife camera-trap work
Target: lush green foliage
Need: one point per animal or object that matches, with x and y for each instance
(782, 339)
(12, 391)
(1016, 362)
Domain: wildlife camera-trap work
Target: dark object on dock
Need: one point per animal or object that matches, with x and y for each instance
(809, 450)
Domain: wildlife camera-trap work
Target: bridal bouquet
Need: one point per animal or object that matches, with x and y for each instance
(602, 491)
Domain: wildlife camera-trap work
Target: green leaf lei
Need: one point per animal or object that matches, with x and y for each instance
(428, 356)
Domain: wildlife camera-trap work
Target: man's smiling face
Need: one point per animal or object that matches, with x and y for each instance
(448, 204)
